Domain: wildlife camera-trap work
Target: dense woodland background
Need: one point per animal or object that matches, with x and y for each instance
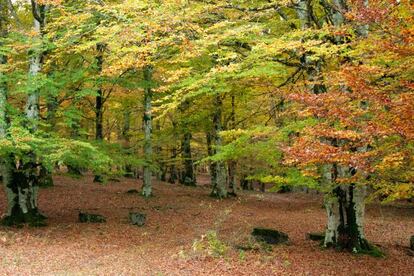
(295, 97)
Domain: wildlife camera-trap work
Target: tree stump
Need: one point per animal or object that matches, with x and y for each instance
(269, 236)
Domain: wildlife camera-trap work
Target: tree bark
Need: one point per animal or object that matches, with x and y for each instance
(99, 104)
(219, 187)
(187, 176)
(232, 164)
(147, 178)
(99, 97)
(173, 168)
(129, 172)
(23, 188)
(45, 176)
(212, 165)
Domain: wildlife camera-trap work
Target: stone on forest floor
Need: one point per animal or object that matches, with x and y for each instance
(99, 179)
(91, 218)
(137, 219)
(315, 236)
(132, 191)
(269, 236)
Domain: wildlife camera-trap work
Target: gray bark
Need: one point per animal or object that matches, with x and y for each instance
(22, 189)
(147, 178)
(35, 66)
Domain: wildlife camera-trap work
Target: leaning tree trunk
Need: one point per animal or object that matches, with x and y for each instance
(147, 178)
(219, 187)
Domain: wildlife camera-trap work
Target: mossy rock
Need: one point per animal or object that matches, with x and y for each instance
(132, 191)
(315, 236)
(137, 219)
(91, 218)
(100, 179)
(270, 236)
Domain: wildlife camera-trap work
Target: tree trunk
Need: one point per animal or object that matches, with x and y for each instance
(20, 184)
(99, 103)
(219, 187)
(212, 165)
(23, 187)
(231, 164)
(232, 177)
(187, 176)
(99, 100)
(345, 210)
(129, 172)
(147, 186)
(345, 204)
(45, 176)
(173, 175)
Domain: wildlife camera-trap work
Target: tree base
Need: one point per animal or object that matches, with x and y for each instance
(365, 248)
(217, 195)
(18, 219)
(46, 182)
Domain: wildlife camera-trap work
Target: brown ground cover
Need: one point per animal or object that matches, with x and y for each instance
(176, 217)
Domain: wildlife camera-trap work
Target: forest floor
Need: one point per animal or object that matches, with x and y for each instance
(178, 216)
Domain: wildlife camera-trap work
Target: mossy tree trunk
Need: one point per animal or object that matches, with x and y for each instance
(22, 196)
(345, 209)
(22, 184)
(147, 121)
